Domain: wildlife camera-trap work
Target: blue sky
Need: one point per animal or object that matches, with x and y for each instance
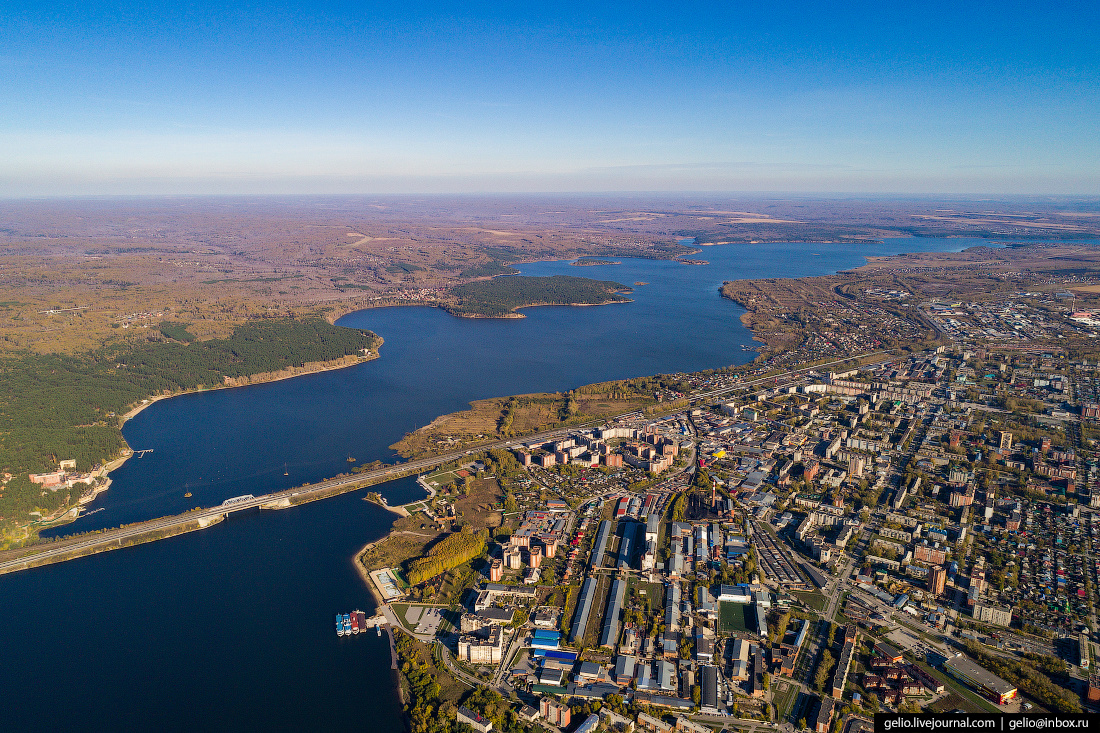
(331, 98)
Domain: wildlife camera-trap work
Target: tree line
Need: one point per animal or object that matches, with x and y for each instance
(500, 296)
(448, 553)
(58, 406)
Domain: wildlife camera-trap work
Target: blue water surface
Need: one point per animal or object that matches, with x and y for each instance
(231, 628)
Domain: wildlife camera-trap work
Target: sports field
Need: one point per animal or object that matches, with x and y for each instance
(734, 617)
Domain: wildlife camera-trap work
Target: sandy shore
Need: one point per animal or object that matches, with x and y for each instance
(356, 560)
(315, 367)
(260, 378)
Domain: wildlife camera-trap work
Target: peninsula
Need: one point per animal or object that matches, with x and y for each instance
(501, 297)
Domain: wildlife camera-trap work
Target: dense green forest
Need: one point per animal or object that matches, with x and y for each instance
(177, 331)
(55, 406)
(500, 296)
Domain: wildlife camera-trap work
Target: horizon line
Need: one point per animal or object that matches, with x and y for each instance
(898, 195)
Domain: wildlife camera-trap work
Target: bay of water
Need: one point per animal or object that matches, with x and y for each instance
(231, 627)
(225, 443)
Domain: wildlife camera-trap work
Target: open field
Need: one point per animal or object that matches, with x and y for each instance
(503, 417)
(653, 595)
(813, 599)
(408, 538)
(477, 508)
(784, 698)
(734, 617)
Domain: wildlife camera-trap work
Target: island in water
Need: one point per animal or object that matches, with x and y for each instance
(594, 261)
(502, 296)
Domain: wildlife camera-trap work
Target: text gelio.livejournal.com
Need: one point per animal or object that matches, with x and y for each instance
(895, 723)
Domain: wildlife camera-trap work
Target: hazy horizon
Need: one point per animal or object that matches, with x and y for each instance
(141, 99)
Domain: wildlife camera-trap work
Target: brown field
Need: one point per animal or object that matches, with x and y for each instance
(77, 273)
(533, 413)
(396, 548)
(476, 510)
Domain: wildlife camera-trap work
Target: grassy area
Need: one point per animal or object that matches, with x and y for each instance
(442, 478)
(949, 703)
(654, 595)
(395, 549)
(399, 609)
(500, 417)
(974, 702)
(785, 700)
(570, 608)
(481, 508)
(812, 599)
(595, 617)
(733, 617)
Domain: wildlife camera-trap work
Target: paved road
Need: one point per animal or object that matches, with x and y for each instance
(450, 662)
(112, 539)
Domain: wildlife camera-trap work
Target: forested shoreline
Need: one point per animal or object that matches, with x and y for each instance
(57, 407)
(501, 296)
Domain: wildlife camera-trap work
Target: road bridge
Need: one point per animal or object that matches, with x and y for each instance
(37, 555)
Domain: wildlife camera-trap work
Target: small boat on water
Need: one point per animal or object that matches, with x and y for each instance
(339, 624)
(378, 629)
(187, 495)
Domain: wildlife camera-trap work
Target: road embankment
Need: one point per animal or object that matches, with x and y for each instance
(25, 558)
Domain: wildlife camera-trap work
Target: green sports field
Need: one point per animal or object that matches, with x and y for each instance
(734, 617)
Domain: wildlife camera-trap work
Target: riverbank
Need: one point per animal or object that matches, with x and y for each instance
(260, 378)
(68, 514)
(364, 574)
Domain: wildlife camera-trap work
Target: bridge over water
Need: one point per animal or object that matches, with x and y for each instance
(28, 557)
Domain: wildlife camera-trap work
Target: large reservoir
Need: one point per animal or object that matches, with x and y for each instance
(231, 628)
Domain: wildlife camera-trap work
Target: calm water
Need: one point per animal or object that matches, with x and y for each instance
(225, 443)
(224, 630)
(232, 627)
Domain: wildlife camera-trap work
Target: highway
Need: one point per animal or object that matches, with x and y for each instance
(22, 559)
